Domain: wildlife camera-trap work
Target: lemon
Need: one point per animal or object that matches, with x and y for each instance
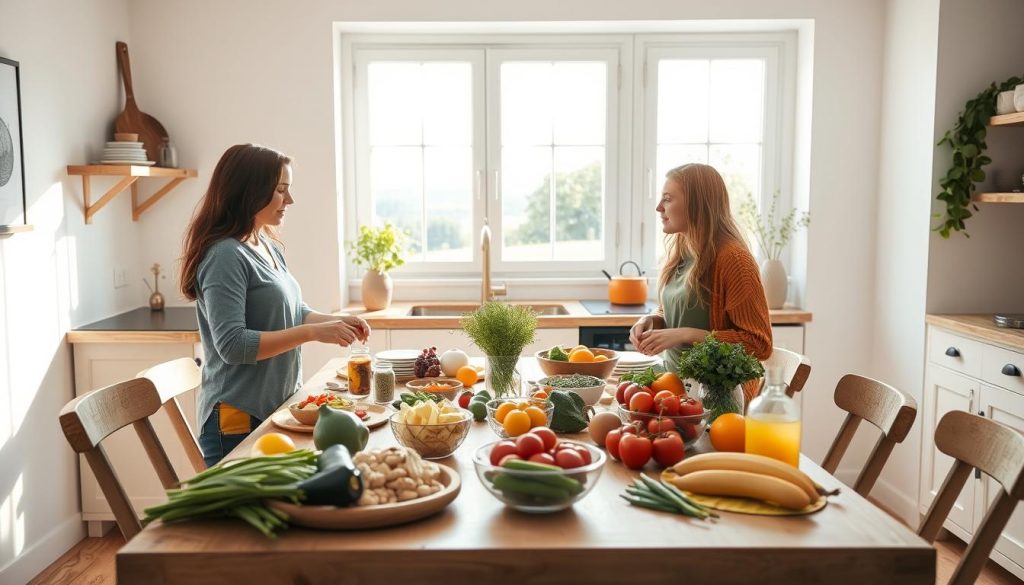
(273, 444)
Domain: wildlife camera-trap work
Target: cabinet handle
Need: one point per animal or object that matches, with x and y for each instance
(199, 362)
(952, 352)
(1011, 370)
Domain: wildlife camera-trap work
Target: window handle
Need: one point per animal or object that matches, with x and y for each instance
(1011, 370)
(952, 352)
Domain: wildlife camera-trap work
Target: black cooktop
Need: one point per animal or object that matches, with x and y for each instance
(606, 308)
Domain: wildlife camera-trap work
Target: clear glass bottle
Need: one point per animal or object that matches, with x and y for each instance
(359, 370)
(168, 155)
(383, 382)
(773, 422)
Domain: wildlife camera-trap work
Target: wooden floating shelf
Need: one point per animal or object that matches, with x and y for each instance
(129, 175)
(1015, 119)
(998, 198)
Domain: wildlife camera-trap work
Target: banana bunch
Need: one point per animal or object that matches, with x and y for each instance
(746, 476)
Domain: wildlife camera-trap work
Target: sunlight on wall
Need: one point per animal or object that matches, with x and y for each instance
(12, 519)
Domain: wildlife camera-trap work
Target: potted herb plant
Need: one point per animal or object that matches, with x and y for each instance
(772, 234)
(501, 331)
(379, 250)
(721, 368)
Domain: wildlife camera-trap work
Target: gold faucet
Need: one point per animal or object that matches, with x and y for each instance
(488, 291)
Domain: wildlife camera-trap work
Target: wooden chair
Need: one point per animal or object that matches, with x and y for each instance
(892, 411)
(795, 368)
(997, 450)
(93, 417)
(172, 379)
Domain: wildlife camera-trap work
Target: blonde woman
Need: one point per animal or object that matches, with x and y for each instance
(709, 280)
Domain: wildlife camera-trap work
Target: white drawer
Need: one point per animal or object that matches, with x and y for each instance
(1003, 368)
(955, 351)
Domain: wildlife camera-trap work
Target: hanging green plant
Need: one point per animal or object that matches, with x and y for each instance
(967, 139)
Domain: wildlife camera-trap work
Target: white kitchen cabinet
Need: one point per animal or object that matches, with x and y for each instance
(1005, 407)
(445, 339)
(101, 364)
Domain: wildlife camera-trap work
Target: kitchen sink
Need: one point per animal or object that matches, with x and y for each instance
(459, 310)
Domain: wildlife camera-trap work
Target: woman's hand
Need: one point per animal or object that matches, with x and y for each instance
(645, 324)
(339, 332)
(655, 341)
(361, 326)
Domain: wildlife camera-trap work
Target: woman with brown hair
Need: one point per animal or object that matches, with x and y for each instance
(252, 319)
(709, 280)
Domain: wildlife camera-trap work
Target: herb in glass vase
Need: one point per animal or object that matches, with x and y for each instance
(501, 331)
(720, 368)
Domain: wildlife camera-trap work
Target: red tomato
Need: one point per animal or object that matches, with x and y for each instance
(641, 402)
(630, 428)
(632, 391)
(667, 403)
(660, 425)
(584, 453)
(547, 435)
(508, 458)
(528, 445)
(621, 391)
(544, 458)
(690, 407)
(611, 443)
(668, 450)
(568, 459)
(464, 399)
(635, 451)
(499, 451)
(687, 430)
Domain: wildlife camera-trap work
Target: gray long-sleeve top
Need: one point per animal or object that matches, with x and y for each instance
(240, 295)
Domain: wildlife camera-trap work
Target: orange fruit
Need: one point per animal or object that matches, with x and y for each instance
(273, 444)
(503, 409)
(537, 416)
(669, 381)
(467, 375)
(516, 423)
(581, 355)
(728, 432)
(540, 395)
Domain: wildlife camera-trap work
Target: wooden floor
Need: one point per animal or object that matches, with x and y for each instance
(91, 562)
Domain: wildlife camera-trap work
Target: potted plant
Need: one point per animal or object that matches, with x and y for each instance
(501, 331)
(721, 368)
(772, 235)
(379, 250)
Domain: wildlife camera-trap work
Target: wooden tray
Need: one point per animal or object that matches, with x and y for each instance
(362, 517)
(376, 416)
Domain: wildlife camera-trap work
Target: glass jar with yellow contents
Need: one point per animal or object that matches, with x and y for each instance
(359, 373)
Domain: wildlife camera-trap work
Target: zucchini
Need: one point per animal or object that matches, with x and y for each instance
(337, 483)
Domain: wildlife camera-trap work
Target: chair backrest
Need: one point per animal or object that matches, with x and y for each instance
(795, 368)
(889, 409)
(995, 449)
(91, 418)
(172, 379)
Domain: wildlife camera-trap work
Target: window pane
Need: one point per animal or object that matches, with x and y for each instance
(578, 96)
(396, 179)
(671, 156)
(682, 100)
(579, 203)
(526, 103)
(394, 110)
(526, 203)
(448, 190)
(447, 98)
(740, 166)
(737, 100)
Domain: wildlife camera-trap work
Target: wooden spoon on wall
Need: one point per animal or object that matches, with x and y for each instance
(131, 119)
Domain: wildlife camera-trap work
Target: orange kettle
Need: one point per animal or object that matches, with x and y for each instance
(627, 290)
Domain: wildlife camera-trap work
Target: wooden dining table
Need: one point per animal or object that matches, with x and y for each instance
(601, 539)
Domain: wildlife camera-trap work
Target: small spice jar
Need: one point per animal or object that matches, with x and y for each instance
(359, 370)
(383, 383)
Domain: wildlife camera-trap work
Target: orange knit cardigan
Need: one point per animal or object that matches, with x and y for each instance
(739, 311)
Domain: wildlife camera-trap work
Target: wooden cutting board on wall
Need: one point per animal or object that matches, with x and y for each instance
(151, 132)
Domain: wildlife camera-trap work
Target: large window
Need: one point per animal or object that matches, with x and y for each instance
(560, 144)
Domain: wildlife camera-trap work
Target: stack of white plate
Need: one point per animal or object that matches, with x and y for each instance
(402, 360)
(125, 153)
(634, 361)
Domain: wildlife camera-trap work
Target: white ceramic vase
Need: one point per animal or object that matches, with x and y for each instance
(377, 290)
(773, 278)
(1018, 98)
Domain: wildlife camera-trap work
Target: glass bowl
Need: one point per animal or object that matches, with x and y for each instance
(539, 491)
(435, 441)
(493, 405)
(690, 427)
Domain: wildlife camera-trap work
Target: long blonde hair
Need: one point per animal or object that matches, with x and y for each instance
(709, 225)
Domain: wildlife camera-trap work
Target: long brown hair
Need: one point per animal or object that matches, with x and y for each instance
(242, 184)
(709, 224)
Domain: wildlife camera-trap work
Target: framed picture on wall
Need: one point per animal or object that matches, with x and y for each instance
(13, 217)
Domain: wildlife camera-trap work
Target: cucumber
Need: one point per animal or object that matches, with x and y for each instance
(514, 485)
(559, 481)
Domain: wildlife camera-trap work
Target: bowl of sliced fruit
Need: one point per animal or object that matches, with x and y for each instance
(307, 410)
(433, 429)
(538, 472)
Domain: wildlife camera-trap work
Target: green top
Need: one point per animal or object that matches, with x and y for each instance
(681, 311)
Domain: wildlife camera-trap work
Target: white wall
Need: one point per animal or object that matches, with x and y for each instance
(61, 274)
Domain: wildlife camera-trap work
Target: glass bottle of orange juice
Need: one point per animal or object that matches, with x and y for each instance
(773, 422)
